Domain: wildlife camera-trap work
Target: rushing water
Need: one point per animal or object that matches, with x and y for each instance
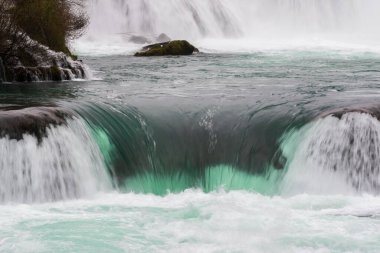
(239, 25)
(246, 147)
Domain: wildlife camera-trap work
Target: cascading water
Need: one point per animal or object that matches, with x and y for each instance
(214, 152)
(334, 155)
(64, 164)
(239, 25)
(200, 18)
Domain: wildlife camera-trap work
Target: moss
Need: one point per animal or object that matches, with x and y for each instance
(176, 47)
(74, 57)
(67, 52)
(56, 74)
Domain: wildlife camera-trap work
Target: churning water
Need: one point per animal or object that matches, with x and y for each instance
(267, 141)
(65, 164)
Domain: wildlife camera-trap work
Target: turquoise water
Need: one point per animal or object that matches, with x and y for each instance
(237, 221)
(267, 141)
(262, 152)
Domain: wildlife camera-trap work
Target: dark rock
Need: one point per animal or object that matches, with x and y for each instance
(78, 71)
(29, 76)
(139, 40)
(371, 109)
(163, 38)
(48, 73)
(20, 74)
(279, 160)
(2, 72)
(56, 73)
(175, 47)
(17, 121)
(67, 74)
(36, 62)
(53, 73)
(44, 73)
(33, 74)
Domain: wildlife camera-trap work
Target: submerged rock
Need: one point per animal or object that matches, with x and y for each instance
(2, 72)
(139, 40)
(371, 109)
(175, 47)
(17, 121)
(163, 38)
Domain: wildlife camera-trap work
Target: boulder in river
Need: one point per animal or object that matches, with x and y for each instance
(163, 38)
(175, 47)
(139, 40)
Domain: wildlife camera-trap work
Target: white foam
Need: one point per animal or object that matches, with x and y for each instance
(234, 26)
(334, 156)
(65, 164)
(194, 221)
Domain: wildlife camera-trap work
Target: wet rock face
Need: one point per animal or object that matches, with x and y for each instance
(46, 73)
(2, 71)
(175, 47)
(38, 63)
(56, 73)
(16, 121)
(371, 109)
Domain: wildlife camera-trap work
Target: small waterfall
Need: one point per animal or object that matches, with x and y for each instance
(64, 164)
(334, 155)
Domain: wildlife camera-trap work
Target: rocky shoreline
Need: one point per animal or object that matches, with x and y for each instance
(39, 63)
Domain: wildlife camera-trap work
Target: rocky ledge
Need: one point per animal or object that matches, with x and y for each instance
(16, 121)
(38, 63)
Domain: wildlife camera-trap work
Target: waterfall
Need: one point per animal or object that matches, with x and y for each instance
(334, 155)
(64, 164)
(252, 24)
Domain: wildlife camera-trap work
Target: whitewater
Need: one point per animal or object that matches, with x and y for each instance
(268, 140)
(234, 26)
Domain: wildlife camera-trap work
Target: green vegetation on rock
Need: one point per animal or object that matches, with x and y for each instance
(35, 34)
(51, 22)
(56, 74)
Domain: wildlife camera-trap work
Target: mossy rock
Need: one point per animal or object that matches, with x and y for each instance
(37, 63)
(175, 47)
(68, 52)
(56, 74)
